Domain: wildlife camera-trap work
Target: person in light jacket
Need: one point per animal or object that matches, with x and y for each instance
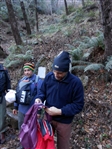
(64, 96)
(35, 83)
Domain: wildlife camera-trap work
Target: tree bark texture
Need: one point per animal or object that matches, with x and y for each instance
(13, 22)
(106, 19)
(66, 7)
(36, 16)
(28, 29)
(83, 3)
(54, 6)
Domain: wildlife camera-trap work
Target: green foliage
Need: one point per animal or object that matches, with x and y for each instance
(94, 67)
(76, 15)
(82, 31)
(77, 53)
(18, 54)
(15, 49)
(75, 62)
(87, 44)
(83, 50)
(79, 14)
(18, 11)
(89, 2)
(64, 18)
(108, 146)
(68, 33)
(78, 67)
(109, 63)
(50, 29)
(3, 11)
(91, 14)
(71, 9)
(93, 42)
(103, 136)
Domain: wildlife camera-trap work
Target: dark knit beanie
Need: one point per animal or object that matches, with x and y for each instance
(29, 66)
(61, 62)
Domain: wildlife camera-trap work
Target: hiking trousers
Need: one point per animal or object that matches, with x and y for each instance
(20, 119)
(3, 115)
(63, 132)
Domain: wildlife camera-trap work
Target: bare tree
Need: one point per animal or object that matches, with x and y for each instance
(106, 19)
(66, 8)
(25, 18)
(83, 3)
(54, 6)
(36, 16)
(13, 22)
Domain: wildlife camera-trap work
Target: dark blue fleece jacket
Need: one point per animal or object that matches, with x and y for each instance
(67, 95)
(5, 82)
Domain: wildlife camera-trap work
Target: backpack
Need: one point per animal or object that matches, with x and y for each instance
(23, 92)
(2, 81)
(45, 135)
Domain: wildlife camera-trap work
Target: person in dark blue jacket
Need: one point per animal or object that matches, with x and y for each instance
(34, 83)
(5, 84)
(63, 95)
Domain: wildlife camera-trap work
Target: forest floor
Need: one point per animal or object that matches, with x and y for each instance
(92, 128)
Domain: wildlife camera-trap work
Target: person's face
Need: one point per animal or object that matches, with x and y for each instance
(59, 75)
(28, 72)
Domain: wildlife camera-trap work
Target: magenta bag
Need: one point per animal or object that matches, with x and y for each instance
(28, 133)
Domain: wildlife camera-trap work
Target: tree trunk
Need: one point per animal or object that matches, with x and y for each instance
(36, 16)
(25, 18)
(106, 19)
(13, 22)
(83, 3)
(54, 5)
(66, 8)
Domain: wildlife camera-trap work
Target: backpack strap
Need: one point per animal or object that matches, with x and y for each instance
(38, 81)
(36, 78)
(2, 82)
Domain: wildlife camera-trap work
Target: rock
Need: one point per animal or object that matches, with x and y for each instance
(13, 119)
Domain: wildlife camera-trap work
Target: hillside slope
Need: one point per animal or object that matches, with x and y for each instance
(92, 127)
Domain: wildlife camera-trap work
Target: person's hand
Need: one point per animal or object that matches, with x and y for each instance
(38, 100)
(53, 111)
(15, 112)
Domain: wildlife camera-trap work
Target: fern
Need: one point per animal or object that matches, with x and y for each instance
(77, 54)
(86, 55)
(97, 42)
(78, 67)
(13, 63)
(14, 60)
(70, 47)
(109, 63)
(92, 42)
(16, 49)
(80, 62)
(94, 66)
(84, 49)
